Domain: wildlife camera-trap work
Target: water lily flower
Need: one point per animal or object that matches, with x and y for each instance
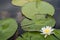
(47, 31)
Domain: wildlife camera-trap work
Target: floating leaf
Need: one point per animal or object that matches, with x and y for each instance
(32, 25)
(35, 36)
(26, 22)
(57, 33)
(31, 36)
(30, 10)
(51, 37)
(19, 38)
(7, 28)
(20, 2)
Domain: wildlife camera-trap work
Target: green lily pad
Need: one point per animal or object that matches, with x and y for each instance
(35, 36)
(32, 9)
(32, 25)
(7, 28)
(51, 37)
(31, 36)
(57, 33)
(19, 38)
(20, 2)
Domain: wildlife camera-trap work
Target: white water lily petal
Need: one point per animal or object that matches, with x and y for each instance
(47, 31)
(45, 36)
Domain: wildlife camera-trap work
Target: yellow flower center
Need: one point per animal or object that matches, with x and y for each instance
(46, 30)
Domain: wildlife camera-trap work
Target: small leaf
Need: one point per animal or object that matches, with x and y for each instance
(57, 33)
(7, 28)
(36, 25)
(30, 10)
(31, 36)
(35, 36)
(51, 37)
(20, 2)
(26, 22)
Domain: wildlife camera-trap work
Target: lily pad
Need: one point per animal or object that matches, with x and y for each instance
(26, 22)
(31, 36)
(57, 33)
(32, 9)
(32, 25)
(7, 28)
(51, 37)
(35, 36)
(20, 2)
